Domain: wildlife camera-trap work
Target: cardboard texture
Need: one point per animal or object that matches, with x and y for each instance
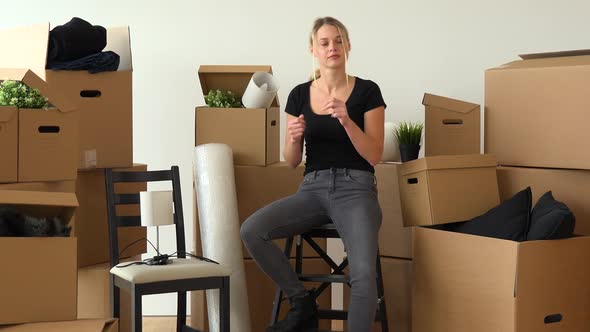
(94, 295)
(252, 133)
(445, 189)
(55, 186)
(44, 269)
(501, 286)
(397, 284)
(394, 239)
(261, 292)
(85, 325)
(47, 137)
(451, 126)
(104, 100)
(567, 186)
(92, 221)
(536, 111)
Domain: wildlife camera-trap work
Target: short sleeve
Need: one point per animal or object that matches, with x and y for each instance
(374, 97)
(294, 102)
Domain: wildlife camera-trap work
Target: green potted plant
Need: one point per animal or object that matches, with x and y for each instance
(18, 94)
(222, 99)
(409, 136)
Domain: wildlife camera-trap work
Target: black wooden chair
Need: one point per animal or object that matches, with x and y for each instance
(327, 231)
(181, 275)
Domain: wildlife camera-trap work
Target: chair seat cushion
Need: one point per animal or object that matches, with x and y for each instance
(179, 269)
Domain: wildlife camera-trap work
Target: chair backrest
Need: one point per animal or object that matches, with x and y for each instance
(114, 199)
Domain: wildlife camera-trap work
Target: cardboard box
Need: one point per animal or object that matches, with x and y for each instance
(94, 295)
(54, 186)
(451, 126)
(39, 281)
(472, 283)
(394, 239)
(104, 100)
(536, 111)
(253, 134)
(92, 220)
(33, 137)
(261, 291)
(569, 186)
(89, 325)
(397, 284)
(445, 189)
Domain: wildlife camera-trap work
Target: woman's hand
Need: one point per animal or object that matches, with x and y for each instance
(296, 129)
(337, 109)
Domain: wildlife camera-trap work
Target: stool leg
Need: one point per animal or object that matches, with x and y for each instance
(382, 311)
(276, 305)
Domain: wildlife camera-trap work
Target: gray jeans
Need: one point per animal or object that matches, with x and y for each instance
(349, 198)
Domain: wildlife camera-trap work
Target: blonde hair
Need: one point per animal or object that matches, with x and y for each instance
(317, 24)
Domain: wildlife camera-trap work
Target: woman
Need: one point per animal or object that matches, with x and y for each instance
(340, 118)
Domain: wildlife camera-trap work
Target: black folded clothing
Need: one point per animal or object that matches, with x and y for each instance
(75, 39)
(95, 63)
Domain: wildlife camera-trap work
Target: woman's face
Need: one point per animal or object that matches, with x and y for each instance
(329, 47)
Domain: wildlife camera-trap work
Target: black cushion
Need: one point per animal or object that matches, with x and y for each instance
(509, 220)
(551, 219)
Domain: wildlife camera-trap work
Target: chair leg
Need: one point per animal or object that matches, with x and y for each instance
(116, 304)
(136, 316)
(381, 297)
(276, 305)
(224, 318)
(181, 311)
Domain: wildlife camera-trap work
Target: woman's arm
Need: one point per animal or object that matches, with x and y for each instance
(369, 144)
(293, 150)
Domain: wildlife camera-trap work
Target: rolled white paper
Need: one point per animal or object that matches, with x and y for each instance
(261, 90)
(156, 208)
(220, 229)
(390, 146)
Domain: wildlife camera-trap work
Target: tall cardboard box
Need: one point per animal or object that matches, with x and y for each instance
(473, 283)
(445, 189)
(536, 110)
(395, 240)
(83, 325)
(261, 291)
(253, 134)
(39, 281)
(92, 228)
(568, 186)
(397, 284)
(451, 126)
(104, 99)
(34, 137)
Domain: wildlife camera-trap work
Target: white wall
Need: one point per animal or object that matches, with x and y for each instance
(407, 47)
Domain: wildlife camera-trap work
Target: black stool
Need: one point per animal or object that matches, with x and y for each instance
(327, 231)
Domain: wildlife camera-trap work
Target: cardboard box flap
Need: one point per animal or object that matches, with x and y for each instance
(448, 104)
(548, 62)
(32, 80)
(40, 203)
(6, 113)
(552, 280)
(25, 47)
(81, 325)
(233, 78)
(448, 162)
(554, 54)
(119, 41)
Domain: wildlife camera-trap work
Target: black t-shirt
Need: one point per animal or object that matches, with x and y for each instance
(326, 142)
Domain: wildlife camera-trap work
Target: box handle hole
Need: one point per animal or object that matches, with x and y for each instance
(90, 93)
(412, 180)
(49, 129)
(273, 123)
(452, 121)
(552, 319)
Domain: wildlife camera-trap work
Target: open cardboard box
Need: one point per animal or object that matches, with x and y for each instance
(82, 325)
(38, 144)
(451, 126)
(104, 99)
(472, 283)
(252, 133)
(536, 110)
(445, 189)
(39, 278)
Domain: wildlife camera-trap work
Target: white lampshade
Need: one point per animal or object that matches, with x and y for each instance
(156, 208)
